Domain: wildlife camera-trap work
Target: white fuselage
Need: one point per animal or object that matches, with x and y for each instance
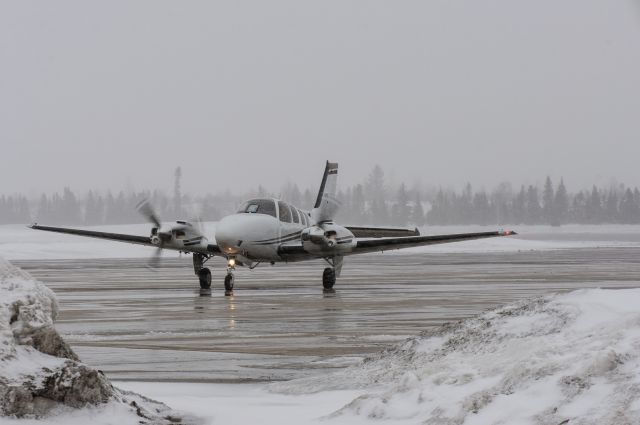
(257, 236)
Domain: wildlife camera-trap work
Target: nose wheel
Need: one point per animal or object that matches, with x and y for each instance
(328, 278)
(228, 284)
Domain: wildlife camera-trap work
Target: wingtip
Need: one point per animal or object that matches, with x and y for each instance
(507, 233)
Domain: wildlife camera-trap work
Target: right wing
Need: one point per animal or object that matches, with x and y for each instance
(119, 237)
(385, 244)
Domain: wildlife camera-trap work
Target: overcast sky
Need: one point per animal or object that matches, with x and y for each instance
(118, 93)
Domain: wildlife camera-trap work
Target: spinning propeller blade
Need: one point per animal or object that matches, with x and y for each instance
(144, 208)
(155, 259)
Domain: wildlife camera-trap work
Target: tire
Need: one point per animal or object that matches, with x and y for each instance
(228, 283)
(328, 278)
(205, 278)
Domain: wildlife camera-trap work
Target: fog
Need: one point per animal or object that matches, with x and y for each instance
(115, 94)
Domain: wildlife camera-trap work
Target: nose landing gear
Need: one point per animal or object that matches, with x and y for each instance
(228, 279)
(228, 284)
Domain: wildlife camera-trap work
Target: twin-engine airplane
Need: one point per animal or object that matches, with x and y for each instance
(270, 230)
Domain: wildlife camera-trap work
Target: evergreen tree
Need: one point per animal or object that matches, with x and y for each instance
(358, 207)
(611, 206)
(578, 211)
(548, 210)
(629, 210)
(481, 208)
(534, 211)
(417, 212)
(401, 207)
(376, 193)
(519, 207)
(44, 210)
(92, 214)
(593, 210)
(561, 205)
(70, 208)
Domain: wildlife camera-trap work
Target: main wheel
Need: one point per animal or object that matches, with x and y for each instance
(205, 278)
(328, 278)
(228, 284)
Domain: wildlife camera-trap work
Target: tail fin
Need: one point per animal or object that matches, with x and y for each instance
(327, 205)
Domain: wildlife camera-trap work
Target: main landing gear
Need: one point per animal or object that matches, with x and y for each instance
(330, 273)
(205, 278)
(204, 273)
(328, 278)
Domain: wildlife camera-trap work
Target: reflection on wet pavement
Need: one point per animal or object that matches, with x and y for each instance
(135, 324)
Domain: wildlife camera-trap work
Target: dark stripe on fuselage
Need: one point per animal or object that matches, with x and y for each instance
(197, 238)
(279, 237)
(287, 239)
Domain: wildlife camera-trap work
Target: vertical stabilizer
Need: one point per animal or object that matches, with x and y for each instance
(327, 205)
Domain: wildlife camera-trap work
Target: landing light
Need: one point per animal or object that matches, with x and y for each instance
(231, 262)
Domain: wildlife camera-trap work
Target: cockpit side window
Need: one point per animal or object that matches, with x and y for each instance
(294, 214)
(259, 206)
(285, 212)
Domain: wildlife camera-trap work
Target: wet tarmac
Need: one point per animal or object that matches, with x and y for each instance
(137, 324)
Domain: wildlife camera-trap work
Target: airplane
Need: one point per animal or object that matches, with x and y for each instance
(269, 230)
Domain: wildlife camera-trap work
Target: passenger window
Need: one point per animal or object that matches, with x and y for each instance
(294, 213)
(285, 212)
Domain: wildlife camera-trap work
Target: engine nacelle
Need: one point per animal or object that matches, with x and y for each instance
(327, 239)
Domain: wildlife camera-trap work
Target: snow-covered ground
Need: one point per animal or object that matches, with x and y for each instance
(41, 377)
(21, 243)
(574, 357)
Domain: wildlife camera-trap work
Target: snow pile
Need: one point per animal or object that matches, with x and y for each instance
(39, 373)
(563, 359)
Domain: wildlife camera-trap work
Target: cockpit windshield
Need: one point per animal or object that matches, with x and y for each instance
(259, 206)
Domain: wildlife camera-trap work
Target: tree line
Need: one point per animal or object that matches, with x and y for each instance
(374, 201)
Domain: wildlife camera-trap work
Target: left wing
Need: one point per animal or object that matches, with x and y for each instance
(119, 237)
(296, 252)
(385, 244)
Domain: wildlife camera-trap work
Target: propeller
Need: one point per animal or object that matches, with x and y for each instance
(145, 209)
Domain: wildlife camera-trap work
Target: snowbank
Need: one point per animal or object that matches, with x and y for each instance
(40, 376)
(574, 357)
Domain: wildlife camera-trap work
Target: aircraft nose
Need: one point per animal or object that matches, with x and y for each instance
(227, 232)
(230, 231)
